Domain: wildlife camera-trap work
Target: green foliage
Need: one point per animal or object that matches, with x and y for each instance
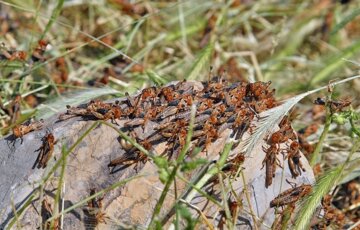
(55, 14)
(193, 164)
(56, 105)
(185, 214)
(201, 62)
(322, 187)
(154, 77)
(173, 172)
(335, 63)
(163, 168)
(345, 20)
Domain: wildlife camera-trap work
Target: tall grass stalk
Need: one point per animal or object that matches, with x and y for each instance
(101, 192)
(315, 156)
(335, 63)
(212, 171)
(129, 139)
(43, 181)
(249, 200)
(179, 160)
(19, 212)
(59, 187)
(225, 204)
(55, 14)
(322, 187)
(192, 185)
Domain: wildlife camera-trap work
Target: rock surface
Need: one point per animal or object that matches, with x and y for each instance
(131, 204)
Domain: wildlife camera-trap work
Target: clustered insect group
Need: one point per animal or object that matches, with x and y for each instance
(283, 135)
(219, 106)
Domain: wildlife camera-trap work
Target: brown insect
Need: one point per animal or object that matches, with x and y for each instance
(242, 122)
(331, 216)
(234, 164)
(46, 213)
(169, 93)
(309, 130)
(149, 93)
(20, 130)
(282, 135)
(335, 106)
(94, 211)
(294, 161)
(97, 109)
(277, 138)
(62, 68)
(237, 95)
(207, 135)
(150, 114)
(112, 114)
(73, 112)
(38, 53)
(270, 161)
(260, 90)
(338, 106)
(204, 105)
(129, 158)
(234, 207)
(45, 151)
(306, 147)
(291, 195)
(283, 217)
(264, 104)
(13, 55)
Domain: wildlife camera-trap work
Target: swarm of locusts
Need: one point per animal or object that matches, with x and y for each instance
(219, 106)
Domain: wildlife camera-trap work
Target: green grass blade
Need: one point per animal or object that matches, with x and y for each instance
(181, 157)
(28, 202)
(59, 186)
(201, 61)
(58, 104)
(101, 192)
(132, 35)
(55, 14)
(297, 37)
(345, 20)
(322, 187)
(212, 171)
(195, 27)
(310, 204)
(335, 63)
(154, 77)
(315, 156)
